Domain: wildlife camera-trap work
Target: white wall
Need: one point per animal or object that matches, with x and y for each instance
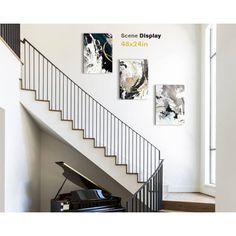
(2, 159)
(226, 116)
(174, 59)
(21, 140)
(53, 150)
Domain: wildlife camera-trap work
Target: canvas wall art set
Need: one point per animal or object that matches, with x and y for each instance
(169, 99)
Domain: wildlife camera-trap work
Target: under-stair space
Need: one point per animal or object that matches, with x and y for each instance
(188, 202)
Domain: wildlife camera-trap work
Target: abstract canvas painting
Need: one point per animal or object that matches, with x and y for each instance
(170, 104)
(133, 79)
(97, 53)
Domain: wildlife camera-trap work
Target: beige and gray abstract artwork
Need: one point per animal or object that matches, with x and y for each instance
(133, 79)
(170, 107)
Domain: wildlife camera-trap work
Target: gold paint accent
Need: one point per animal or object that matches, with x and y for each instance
(106, 55)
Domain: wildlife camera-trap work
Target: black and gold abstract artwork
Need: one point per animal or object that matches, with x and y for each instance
(97, 53)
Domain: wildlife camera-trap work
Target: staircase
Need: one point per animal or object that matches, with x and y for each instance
(117, 139)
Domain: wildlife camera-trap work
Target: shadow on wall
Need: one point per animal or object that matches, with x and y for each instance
(31, 137)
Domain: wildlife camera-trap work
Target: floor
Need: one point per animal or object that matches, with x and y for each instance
(189, 197)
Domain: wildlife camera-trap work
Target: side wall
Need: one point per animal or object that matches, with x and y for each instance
(226, 116)
(22, 140)
(2, 159)
(174, 59)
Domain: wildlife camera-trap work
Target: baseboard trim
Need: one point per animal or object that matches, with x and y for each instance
(183, 189)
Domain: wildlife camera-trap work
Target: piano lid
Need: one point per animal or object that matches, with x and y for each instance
(77, 178)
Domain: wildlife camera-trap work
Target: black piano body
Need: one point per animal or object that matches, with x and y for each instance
(91, 198)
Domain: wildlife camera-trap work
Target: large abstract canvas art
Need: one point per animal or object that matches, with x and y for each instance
(170, 104)
(133, 79)
(97, 53)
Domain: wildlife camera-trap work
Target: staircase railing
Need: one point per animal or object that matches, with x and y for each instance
(119, 139)
(149, 197)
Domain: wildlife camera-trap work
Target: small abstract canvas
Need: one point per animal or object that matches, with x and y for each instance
(97, 53)
(133, 79)
(170, 104)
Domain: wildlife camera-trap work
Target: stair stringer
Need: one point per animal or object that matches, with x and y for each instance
(63, 129)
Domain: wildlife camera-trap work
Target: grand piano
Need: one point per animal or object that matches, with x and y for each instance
(91, 198)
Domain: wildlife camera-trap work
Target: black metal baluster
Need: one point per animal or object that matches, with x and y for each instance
(79, 108)
(118, 142)
(24, 81)
(93, 118)
(29, 67)
(51, 87)
(59, 91)
(77, 115)
(156, 188)
(143, 159)
(66, 99)
(144, 202)
(89, 118)
(63, 98)
(70, 94)
(107, 135)
(82, 108)
(103, 127)
(39, 85)
(111, 134)
(100, 126)
(114, 135)
(139, 201)
(122, 159)
(129, 161)
(55, 88)
(136, 162)
(96, 124)
(125, 146)
(34, 67)
(151, 192)
(73, 122)
(132, 152)
(151, 159)
(160, 175)
(147, 196)
(43, 78)
(85, 119)
(147, 162)
(47, 81)
(133, 204)
(140, 159)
